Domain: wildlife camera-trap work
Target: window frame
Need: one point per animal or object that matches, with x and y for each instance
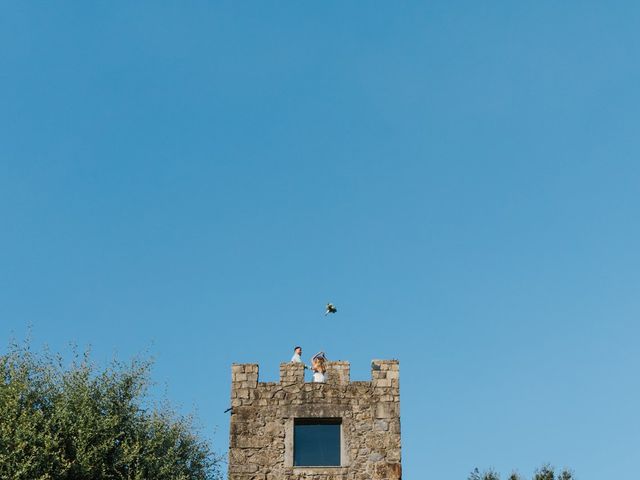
(338, 421)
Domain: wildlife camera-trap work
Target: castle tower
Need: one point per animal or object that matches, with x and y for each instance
(292, 430)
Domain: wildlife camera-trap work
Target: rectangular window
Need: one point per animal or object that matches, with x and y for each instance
(316, 442)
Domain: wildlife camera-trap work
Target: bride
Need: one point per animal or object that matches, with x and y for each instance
(319, 367)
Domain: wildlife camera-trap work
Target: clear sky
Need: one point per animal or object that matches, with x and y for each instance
(462, 179)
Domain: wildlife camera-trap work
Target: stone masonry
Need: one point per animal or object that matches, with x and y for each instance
(263, 415)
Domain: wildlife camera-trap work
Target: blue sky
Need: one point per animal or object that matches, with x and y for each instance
(197, 179)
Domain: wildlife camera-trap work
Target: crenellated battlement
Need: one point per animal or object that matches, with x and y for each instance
(384, 373)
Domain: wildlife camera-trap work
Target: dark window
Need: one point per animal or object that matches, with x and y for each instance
(316, 442)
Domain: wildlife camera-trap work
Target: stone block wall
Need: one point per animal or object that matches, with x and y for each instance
(263, 416)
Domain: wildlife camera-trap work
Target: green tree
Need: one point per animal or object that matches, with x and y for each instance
(82, 422)
(486, 475)
(546, 472)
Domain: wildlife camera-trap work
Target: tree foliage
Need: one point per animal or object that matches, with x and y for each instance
(81, 422)
(546, 472)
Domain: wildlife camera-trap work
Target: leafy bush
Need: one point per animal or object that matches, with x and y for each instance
(81, 422)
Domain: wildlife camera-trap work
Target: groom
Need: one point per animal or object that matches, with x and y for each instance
(297, 357)
(297, 352)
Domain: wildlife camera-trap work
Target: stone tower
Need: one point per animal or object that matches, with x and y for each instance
(292, 430)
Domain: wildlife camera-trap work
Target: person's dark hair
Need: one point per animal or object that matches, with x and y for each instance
(295, 348)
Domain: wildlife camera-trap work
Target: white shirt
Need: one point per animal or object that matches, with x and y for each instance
(318, 377)
(296, 358)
